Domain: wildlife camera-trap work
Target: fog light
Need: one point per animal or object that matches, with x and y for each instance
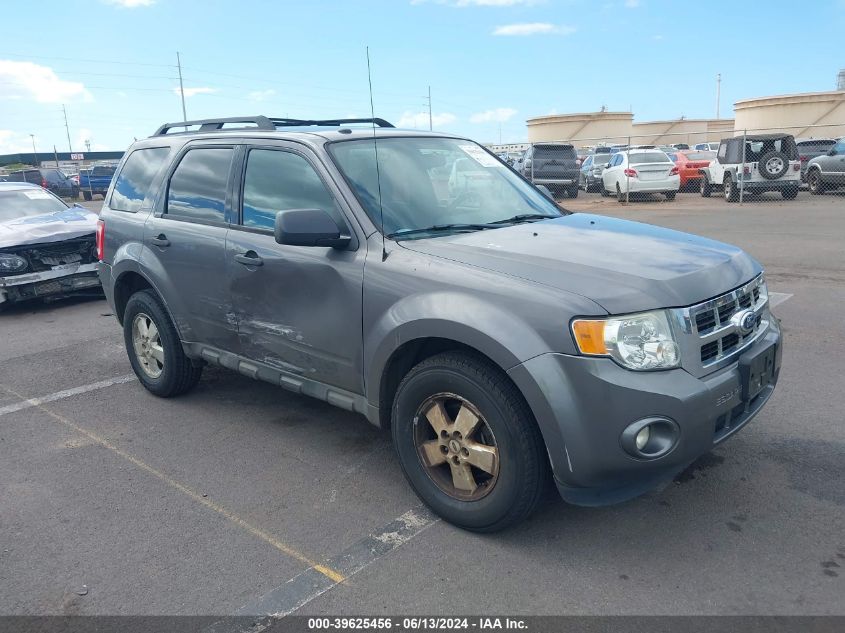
(642, 438)
(650, 438)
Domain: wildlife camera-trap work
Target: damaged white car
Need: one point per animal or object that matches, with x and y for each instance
(47, 248)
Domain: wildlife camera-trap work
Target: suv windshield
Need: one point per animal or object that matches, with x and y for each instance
(22, 203)
(430, 181)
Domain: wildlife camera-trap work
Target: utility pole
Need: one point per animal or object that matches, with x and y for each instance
(88, 144)
(56, 156)
(718, 92)
(181, 87)
(67, 129)
(430, 126)
(34, 151)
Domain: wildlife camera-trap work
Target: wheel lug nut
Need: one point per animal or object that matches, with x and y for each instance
(465, 452)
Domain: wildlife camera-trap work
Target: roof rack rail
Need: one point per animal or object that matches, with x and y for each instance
(212, 125)
(263, 123)
(328, 122)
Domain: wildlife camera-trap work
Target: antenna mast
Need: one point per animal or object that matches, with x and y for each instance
(375, 150)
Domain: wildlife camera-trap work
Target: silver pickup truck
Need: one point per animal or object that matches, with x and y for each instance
(501, 339)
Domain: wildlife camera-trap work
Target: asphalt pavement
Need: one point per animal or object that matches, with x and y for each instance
(241, 496)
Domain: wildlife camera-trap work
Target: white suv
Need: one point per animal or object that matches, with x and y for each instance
(769, 162)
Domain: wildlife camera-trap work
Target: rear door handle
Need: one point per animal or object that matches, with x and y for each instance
(250, 258)
(160, 240)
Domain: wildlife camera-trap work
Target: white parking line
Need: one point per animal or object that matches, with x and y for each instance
(776, 298)
(66, 393)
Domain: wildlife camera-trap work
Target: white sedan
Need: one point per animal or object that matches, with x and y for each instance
(640, 171)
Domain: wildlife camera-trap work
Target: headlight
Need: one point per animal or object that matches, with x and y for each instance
(12, 263)
(636, 341)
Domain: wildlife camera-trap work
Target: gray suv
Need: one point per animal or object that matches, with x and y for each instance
(827, 171)
(553, 165)
(501, 339)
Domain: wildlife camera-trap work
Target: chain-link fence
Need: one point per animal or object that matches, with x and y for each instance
(751, 161)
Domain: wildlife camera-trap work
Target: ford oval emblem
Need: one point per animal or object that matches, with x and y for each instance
(744, 321)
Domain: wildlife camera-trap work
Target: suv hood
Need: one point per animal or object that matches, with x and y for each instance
(51, 227)
(623, 266)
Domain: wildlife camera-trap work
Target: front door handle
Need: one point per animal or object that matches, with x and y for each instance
(160, 240)
(250, 258)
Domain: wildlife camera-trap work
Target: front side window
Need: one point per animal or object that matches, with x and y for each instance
(839, 148)
(197, 188)
(133, 184)
(429, 181)
(279, 181)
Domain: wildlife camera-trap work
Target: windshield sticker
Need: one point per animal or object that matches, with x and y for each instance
(480, 156)
(37, 195)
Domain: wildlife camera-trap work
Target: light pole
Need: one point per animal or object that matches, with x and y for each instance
(718, 92)
(34, 151)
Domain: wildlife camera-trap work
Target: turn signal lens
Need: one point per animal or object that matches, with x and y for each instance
(590, 336)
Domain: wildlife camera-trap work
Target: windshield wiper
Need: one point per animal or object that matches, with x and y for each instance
(442, 227)
(524, 217)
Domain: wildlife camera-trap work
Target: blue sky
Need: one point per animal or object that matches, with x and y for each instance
(490, 63)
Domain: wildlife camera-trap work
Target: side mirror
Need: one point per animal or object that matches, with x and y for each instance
(308, 227)
(546, 192)
(832, 151)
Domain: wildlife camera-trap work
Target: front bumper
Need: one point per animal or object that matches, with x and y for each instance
(67, 279)
(584, 404)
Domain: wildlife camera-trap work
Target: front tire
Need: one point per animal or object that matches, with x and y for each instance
(87, 196)
(468, 443)
(669, 195)
(573, 192)
(154, 349)
(706, 188)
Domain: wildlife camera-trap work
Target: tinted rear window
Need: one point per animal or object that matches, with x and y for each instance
(136, 178)
(701, 156)
(198, 186)
(648, 157)
(554, 151)
(816, 145)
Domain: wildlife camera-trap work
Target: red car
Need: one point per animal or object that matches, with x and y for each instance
(689, 161)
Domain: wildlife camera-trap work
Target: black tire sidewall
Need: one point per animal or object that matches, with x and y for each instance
(145, 302)
(814, 183)
(491, 508)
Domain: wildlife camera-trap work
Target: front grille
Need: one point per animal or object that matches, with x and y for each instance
(43, 257)
(711, 338)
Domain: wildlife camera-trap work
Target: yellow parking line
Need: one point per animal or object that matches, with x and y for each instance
(255, 531)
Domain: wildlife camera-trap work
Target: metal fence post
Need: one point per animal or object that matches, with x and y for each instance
(627, 177)
(742, 182)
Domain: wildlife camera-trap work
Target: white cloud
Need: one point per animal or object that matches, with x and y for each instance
(26, 80)
(497, 115)
(481, 3)
(14, 142)
(632, 4)
(131, 4)
(190, 92)
(533, 28)
(420, 119)
(260, 95)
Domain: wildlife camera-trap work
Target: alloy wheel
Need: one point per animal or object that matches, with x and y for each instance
(146, 342)
(456, 447)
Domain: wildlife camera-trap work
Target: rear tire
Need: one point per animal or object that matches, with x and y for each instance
(604, 192)
(814, 182)
(731, 192)
(620, 197)
(87, 196)
(573, 191)
(466, 387)
(159, 361)
(670, 195)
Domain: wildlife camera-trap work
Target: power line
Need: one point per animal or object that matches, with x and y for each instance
(87, 61)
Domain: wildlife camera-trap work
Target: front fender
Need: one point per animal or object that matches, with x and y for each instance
(500, 335)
